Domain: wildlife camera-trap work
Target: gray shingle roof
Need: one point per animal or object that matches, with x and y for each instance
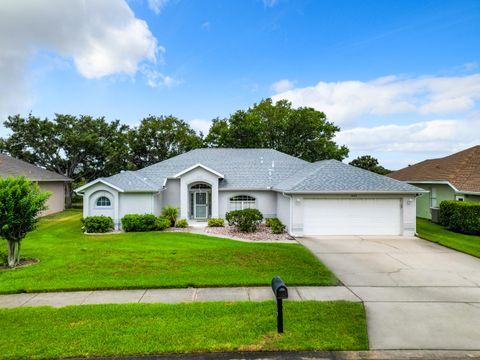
(10, 166)
(335, 176)
(262, 169)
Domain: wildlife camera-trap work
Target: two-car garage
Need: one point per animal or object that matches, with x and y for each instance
(352, 216)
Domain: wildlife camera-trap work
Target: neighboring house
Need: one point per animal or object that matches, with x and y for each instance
(326, 197)
(47, 180)
(454, 177)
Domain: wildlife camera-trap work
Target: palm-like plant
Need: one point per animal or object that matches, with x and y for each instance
(170, 213)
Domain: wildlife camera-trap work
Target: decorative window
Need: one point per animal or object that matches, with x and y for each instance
(103, 201)
(241, 202)
(200, 187)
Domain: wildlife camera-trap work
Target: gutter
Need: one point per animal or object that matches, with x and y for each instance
(290, 215)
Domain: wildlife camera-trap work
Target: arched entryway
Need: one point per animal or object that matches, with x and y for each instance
(200, 204)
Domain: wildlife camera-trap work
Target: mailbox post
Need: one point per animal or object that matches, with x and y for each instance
(281, 292)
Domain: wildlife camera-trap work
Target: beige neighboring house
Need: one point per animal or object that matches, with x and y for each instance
(47, 180)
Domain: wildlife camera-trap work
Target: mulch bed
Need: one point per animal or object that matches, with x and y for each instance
(21, 264)
(263, 233)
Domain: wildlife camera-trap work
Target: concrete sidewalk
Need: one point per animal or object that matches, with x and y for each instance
(173, 296)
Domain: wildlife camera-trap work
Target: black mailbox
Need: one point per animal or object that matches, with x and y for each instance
(281, 292)
(279, 288)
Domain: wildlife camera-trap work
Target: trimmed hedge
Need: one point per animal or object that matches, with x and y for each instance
(460, 216)
(162, 223)
(182, 223)
(137, 222)
(216, 222)
(245, 220)
(97, 224)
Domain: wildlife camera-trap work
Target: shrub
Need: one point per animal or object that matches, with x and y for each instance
(162, 223)
(97, 224)
(182, 223)
(277, 226)
(245, 220)
(170, 213)
(446, 211)
(460, 216)
(268, 221)
(215, 222)
(137, 222)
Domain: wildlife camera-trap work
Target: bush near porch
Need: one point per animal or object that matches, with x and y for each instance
(70, 260)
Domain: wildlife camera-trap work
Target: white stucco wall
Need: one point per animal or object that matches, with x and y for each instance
(136, 203)
(171, 194)
(283, 209)
(121, 203)
(56, 201)
(266, 201)
(408, 213)
(198, 175)
(90, 198)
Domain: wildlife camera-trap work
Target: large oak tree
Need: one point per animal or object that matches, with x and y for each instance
(82, 148)
(303, 132)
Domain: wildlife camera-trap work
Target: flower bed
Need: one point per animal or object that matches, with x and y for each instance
(263, 233)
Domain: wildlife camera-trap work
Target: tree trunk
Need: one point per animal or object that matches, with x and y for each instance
(13, 253)
(68, 195)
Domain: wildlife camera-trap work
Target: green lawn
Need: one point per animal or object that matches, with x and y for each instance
(70, 260)
(469, 244)
(108, 330)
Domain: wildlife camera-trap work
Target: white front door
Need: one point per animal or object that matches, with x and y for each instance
(352, 217)
(200, 206)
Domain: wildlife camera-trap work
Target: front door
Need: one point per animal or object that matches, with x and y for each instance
(200, 208)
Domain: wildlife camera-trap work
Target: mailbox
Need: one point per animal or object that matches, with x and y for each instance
(281, 292)
(279, 288)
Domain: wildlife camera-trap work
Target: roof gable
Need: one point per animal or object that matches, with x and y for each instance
(198, 166)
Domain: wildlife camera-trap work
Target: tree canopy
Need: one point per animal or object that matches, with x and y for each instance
(303, 132)
(80, 147)
(369, 163)
(159, 138)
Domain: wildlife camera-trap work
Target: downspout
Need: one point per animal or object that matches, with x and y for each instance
(290, 220)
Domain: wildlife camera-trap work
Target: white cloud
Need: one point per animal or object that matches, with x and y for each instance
(157, 5)
(435, 136)
(157, 79)
(345, 101)
(201, 125)
(282, 85)
(100, 37)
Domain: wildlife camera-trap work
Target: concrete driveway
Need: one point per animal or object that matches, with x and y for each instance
(417, 295)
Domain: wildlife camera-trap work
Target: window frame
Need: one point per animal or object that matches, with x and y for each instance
(241, 202)
(103, 206)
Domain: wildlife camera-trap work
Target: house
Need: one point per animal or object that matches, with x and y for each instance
(454, 177)
(322, 198)
(47, 180)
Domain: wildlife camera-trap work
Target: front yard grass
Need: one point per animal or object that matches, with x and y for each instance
(133, 329)
(469, 244)
(70, 260)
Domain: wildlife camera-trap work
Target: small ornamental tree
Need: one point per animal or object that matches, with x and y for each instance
(20, 204)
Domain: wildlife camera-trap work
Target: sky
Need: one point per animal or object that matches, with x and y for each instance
(400, 78)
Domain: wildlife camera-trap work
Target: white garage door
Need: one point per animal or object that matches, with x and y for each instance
(351, 217)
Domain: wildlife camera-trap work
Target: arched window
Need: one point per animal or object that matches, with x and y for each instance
(241, 202)
(200, 187)
(103, 201)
